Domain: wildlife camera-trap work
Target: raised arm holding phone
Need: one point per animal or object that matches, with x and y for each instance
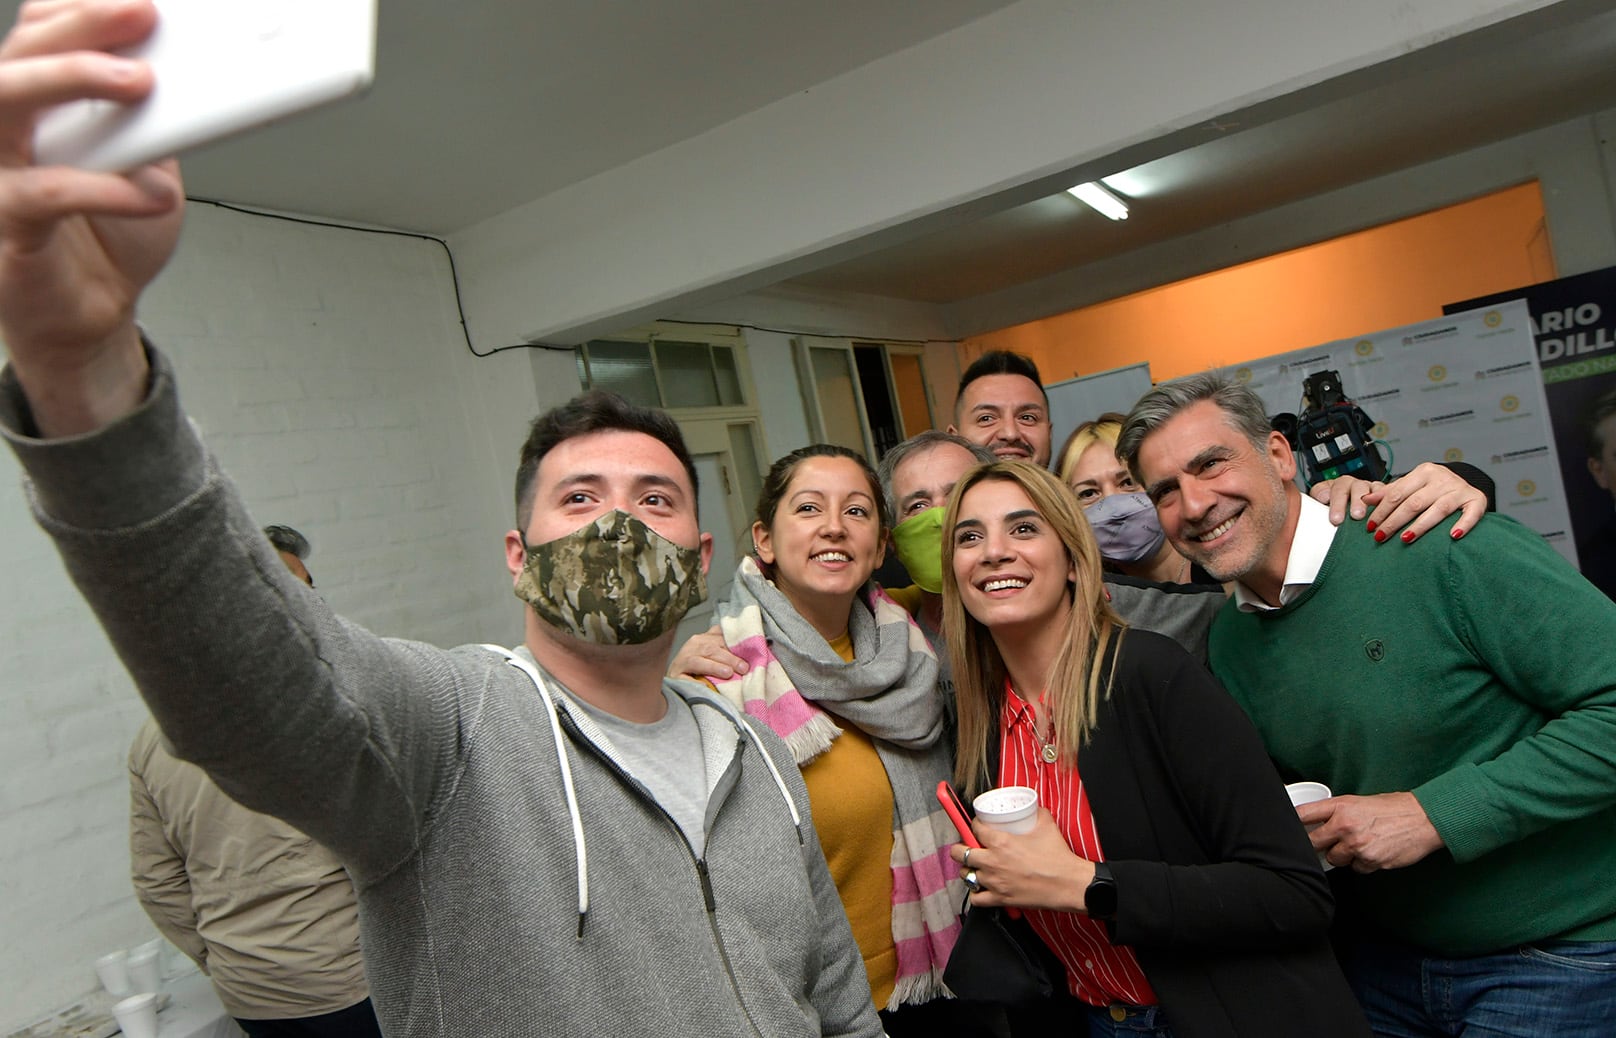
(545, 840)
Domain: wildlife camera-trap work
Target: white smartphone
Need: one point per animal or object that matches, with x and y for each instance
(221, 67)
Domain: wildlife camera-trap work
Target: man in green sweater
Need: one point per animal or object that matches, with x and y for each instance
(1458, 696)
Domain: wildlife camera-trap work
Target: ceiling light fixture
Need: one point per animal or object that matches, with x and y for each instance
(1101, 200)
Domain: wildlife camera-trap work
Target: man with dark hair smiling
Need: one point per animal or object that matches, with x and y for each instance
(550, 840)
(1001, 405)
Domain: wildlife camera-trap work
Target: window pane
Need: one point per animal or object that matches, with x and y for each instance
(729, 377)
(838, 403)
(624, 368)
(687, 374)
(748, 466)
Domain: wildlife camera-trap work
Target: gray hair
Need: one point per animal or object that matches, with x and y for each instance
(1240, 404)
(917, 444)
(286, 539)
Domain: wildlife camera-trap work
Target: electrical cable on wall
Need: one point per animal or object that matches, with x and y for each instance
(454, 274)
(818, 335)
(460, 310)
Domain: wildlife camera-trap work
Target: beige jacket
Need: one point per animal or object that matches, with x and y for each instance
(266, 912)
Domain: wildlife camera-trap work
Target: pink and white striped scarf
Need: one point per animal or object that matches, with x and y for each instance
(800, 688)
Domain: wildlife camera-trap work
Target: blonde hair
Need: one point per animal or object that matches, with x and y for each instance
(1074, 683)
(1104, 429)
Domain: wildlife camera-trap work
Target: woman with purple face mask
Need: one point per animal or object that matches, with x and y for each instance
(1123, 519)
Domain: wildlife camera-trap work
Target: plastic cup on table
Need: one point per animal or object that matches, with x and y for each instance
(1011, 809)
(145, 971)
(113, 969)
(137, 1016)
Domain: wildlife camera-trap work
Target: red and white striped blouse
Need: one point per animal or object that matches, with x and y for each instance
(1097, 971)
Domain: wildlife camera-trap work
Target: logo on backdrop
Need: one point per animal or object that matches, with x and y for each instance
(1493, 319)
(1510, 403)
(1364, 347)
(1521, 455)
(1447, 419)
(1526, 488)
(1519, 368)
(1380, 430)
(1437, 373)
(1453, 454)
(1243, 375)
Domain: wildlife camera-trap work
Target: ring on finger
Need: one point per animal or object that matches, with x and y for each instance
(966, 861)
(970, 881)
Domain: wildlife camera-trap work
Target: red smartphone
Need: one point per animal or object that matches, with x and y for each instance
(956, 812)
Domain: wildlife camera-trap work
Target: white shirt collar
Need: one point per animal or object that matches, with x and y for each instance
(1314, 535)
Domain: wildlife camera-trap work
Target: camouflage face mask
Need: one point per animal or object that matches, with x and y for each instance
(615, 581)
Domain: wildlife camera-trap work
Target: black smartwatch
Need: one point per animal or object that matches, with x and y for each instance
(1101, 896)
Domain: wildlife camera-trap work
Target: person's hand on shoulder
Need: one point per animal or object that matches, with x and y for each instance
(77, 248)
(706, 656)
(1406, 507)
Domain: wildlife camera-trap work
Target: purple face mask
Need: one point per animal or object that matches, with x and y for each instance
(1125, 527)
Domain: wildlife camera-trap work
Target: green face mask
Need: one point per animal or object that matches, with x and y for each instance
(919, 540)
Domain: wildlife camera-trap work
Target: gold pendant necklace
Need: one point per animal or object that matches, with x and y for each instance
(1047, 746)
(1049, 753)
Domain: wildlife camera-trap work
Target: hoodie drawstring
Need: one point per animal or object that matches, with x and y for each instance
(578, 844)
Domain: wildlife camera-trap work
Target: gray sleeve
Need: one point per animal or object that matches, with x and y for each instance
(841, 988)
(291, 710)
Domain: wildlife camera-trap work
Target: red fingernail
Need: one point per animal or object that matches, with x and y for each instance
(1370, 526)
(1408, 536)
(1380, 536)
(1458, 534)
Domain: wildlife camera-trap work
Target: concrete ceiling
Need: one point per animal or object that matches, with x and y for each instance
(483, 105)
(1493, 87)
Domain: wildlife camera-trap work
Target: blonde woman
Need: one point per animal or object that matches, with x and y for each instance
(1167, 870)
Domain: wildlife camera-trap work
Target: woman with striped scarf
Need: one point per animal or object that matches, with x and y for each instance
(847, 679)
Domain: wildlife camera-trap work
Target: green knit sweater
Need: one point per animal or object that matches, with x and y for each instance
(1479, 674)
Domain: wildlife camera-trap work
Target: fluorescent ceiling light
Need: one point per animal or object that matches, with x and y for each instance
(1103, 201)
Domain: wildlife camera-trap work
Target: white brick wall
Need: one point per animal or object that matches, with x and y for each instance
(328, 372)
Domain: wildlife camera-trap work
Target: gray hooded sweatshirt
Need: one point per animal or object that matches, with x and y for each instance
(513, 878)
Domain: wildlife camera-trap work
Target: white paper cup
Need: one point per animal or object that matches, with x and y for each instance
(1011, 809)
(156, 944)
(145, 970)
(1308, 793)
(113, 969)
(137, 1016)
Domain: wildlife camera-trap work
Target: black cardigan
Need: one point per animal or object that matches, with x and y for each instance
(1218, 890)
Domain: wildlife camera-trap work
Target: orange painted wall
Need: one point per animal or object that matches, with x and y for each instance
(1395, 274)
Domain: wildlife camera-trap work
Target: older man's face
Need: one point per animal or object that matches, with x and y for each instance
(925, 478)
(1222, 502)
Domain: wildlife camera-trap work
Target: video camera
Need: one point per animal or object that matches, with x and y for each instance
(1331, 434)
